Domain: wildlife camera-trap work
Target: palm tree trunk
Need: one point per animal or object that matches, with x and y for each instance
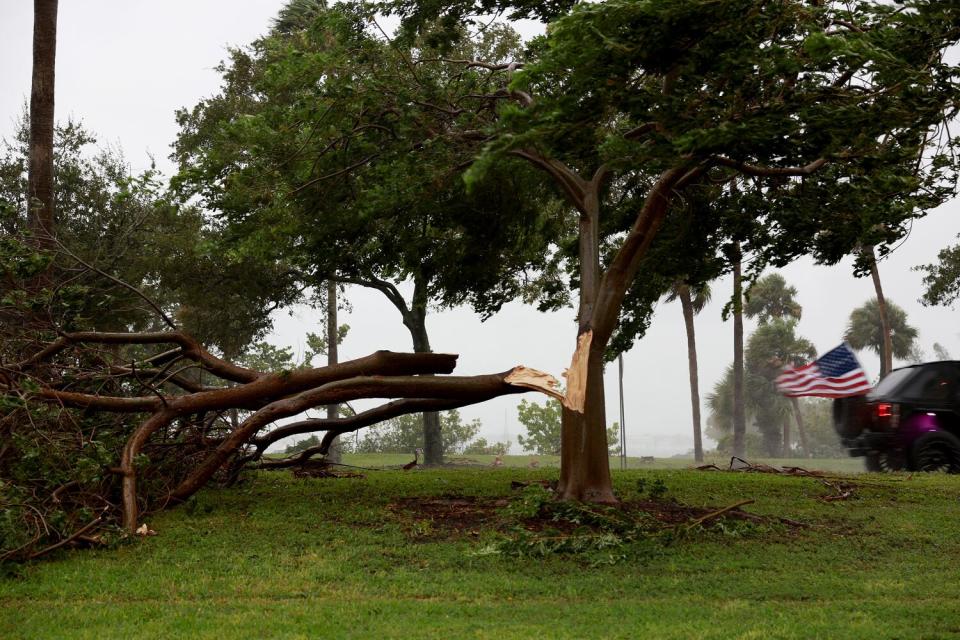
(739, 410)
(801, 431)
(886, 345)
(40, 176)
(785, 445)
(687, 305)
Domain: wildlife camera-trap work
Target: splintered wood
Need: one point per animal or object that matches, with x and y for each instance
(576, 375)
(537, 380)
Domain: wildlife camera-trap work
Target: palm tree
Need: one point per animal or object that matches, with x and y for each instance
(771, 297)
(866, 330)
(297, 15)
(692, 301)
(772, 346)
(720, 406)
(40, 175)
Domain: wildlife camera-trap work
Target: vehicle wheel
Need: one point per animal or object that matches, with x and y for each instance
(936, 451)
(885, 461)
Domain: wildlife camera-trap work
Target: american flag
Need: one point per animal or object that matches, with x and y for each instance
(836, 374)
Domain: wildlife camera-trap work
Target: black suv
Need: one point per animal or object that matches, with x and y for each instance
(911, 420)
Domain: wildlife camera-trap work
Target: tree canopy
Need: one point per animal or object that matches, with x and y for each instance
(865, 331)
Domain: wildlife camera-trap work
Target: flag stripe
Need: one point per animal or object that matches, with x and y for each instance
(801, 381)
(847, 379)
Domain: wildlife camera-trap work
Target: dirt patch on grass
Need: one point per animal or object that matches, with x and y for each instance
(447, 516)
(442, 517)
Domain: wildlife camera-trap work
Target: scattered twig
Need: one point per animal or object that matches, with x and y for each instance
(716, 514)
(76, 534)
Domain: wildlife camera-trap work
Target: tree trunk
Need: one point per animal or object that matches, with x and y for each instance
(40, 176)
(886, 344)
(584, 460)
(739, 411)
(785, 445)
(687, 305)
(334, 454)
(416, 322)
(801, 431)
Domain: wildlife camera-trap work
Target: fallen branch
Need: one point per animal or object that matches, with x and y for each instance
(76, 534)
(716, 514)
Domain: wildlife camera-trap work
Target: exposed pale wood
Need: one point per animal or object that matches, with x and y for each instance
(536, 380)
(577, 374)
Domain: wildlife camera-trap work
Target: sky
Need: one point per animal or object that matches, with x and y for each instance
(123, 68)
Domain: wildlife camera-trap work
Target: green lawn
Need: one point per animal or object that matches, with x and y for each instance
(844, 465)
(327, 558)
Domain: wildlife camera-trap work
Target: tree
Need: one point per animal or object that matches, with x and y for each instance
(403, 434)
(771, 347)
(886, 327)
(480, 447)
(543, 425)
(941, 352)
(692, 302)
(612, 99)
(125, 224)
(942, 280)
(865, 331)
(346, 181)
(40, 190)
(822, 438)
(771, 297)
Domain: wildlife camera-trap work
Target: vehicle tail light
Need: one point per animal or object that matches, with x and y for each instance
(887, 415)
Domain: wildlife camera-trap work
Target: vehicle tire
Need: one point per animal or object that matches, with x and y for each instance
(846, 416)
(885, 461)
(936, 451)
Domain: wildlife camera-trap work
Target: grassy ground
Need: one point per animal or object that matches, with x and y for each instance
(329, 558)
(843, 465)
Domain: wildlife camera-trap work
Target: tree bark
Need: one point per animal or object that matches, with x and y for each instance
(40, 175)
(739, 411)
(333, 333)
(584, 463)
(886, 344)
(801, 431)
(468, 390)
(785, 444)
(687, 305)
(416, 322)
(585, 476)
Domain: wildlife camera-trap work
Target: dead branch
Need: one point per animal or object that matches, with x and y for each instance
(716, 514)
(76, 534)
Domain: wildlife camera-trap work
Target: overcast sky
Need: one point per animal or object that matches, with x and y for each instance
(123, 68)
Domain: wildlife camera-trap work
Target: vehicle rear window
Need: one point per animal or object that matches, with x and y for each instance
(892, 381)
(935, 383)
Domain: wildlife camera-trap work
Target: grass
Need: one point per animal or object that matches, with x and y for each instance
(842, 465)
(281, 557)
